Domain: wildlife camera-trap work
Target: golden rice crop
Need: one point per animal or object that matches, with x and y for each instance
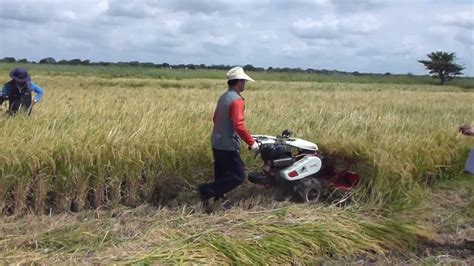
(95, 141)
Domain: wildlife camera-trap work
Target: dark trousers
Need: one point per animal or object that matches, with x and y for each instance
(229, 173)
(17, 105)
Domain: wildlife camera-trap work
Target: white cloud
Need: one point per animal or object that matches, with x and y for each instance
(461, 24)
(466, 37)
(30, 11)
(222, 7)
(331, 27)
(364, 36)
(357, 5)
(131, 8)
(463, 19)
(197, 6)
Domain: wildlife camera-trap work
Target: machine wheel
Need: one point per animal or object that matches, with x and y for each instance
(309, 190)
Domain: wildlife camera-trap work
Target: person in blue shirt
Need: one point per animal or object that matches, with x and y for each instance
(19, 91)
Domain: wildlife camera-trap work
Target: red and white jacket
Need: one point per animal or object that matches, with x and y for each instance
(229, 123)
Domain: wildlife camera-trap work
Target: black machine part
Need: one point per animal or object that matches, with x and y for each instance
(284, 162)
(274, 151)
(259, 178)
(286, 133)
(309, 189)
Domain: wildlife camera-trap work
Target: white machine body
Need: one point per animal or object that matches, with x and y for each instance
(292, 142)
(303, 168)
(309, 165)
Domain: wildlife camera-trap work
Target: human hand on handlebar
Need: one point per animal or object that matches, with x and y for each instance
(254, 147)
(467, 130)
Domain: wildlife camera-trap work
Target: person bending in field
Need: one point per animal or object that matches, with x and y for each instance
(18, 92)
(229, 129)
(468, 131)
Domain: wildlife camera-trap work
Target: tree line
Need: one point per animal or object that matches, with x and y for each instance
(441, 65)
(248, 67)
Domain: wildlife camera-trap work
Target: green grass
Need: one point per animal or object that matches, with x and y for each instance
(157, 73)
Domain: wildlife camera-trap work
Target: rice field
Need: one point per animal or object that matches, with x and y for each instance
(98, 141)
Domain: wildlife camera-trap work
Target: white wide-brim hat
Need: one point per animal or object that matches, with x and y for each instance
(238, 73)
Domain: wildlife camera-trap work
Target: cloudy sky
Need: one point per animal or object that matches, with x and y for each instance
(351, 35)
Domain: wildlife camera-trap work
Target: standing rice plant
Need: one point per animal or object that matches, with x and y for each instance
(96, 141)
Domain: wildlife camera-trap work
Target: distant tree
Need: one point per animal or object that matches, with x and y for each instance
(103, 63)
(387, 74)
(441, 65)
(190, 66)
(325, 71)
(24, 60)
(86, 62)
(8, 60)
(220, 67)
(134, 63)
(249, 68)
(147, 64)
(47, 60)
(74, 62)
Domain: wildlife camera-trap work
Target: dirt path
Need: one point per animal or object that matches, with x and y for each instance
(452, 219)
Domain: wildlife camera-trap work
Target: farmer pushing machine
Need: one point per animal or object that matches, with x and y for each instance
(229, 129)
(291, 165)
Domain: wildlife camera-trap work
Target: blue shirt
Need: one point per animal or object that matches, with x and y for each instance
(34, 87)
